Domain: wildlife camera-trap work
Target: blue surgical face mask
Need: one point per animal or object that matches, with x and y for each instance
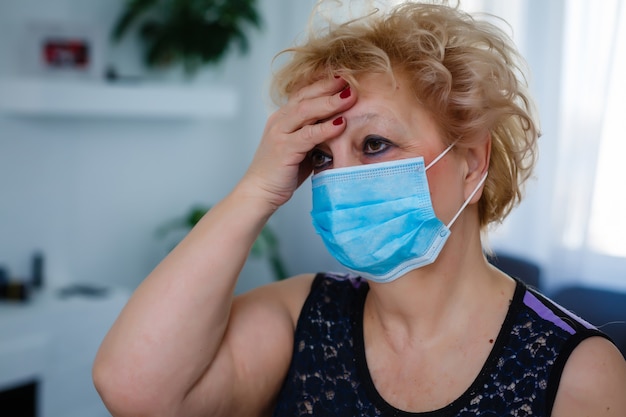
(377, 219)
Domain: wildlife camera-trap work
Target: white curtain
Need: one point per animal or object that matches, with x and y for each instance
(573, 220)
(590, 202)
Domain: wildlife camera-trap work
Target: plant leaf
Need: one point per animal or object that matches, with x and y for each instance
(196, 214)
(192, 32)
(278, 267)
(134, 10)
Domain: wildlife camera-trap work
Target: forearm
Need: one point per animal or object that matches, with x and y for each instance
(172, 328)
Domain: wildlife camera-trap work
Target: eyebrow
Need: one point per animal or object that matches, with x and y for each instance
(369, 116)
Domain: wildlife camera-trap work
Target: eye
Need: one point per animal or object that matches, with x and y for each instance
(375, 145)
(319, 159)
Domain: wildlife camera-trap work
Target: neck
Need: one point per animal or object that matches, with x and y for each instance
(447, 294)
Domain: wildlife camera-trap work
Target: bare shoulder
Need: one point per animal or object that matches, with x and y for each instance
(253, 360)
(287, 295)
(593, 381)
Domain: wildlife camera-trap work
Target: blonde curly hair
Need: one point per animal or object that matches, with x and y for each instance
(466, 72)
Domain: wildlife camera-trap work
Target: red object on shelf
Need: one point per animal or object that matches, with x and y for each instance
(66, 53)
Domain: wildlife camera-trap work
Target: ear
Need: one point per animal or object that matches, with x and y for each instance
(477, 157)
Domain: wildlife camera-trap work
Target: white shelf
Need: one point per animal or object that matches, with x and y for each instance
(62, 98)
(53, 340)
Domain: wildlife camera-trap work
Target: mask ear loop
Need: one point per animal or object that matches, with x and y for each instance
(441, 155)
(458, 213)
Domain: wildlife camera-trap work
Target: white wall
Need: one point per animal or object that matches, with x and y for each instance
(90, 193)
(541, 45)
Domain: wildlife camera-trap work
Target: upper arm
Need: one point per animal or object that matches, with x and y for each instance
(249, 369)
(593, 382)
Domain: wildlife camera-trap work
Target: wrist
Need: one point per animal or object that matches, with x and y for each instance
(254, 193)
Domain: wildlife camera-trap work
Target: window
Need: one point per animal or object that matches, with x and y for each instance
(607, 226)
(573, 220)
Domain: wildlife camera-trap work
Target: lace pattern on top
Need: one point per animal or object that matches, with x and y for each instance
(328, 375)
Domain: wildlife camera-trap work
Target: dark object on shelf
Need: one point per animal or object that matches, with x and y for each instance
(20, 401)
(518, 267)
(83, 290)
(38, 268)
(191, 32)
(14, 291)
(4, 276)
(111, 74)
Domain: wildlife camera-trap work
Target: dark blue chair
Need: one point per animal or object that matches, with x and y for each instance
(603, 308)
(518, 267)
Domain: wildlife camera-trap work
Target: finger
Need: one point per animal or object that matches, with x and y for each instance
(303, 112)
(312, 135)
(319, 109)
(323, 87)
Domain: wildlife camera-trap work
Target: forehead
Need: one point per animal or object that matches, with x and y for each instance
(383, 98)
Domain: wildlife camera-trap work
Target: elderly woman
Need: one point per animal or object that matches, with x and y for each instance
(419, 132)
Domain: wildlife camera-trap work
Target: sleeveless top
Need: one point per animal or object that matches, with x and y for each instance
(328, 375)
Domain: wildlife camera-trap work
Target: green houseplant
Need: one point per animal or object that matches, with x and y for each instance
(188, 32)
(265, 246)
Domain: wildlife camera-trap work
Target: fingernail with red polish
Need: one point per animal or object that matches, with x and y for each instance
(338, 121)
(345, 93)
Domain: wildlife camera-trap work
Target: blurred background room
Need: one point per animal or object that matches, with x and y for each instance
(105, 161)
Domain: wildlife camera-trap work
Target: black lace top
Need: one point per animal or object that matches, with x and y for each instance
(328, 375)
